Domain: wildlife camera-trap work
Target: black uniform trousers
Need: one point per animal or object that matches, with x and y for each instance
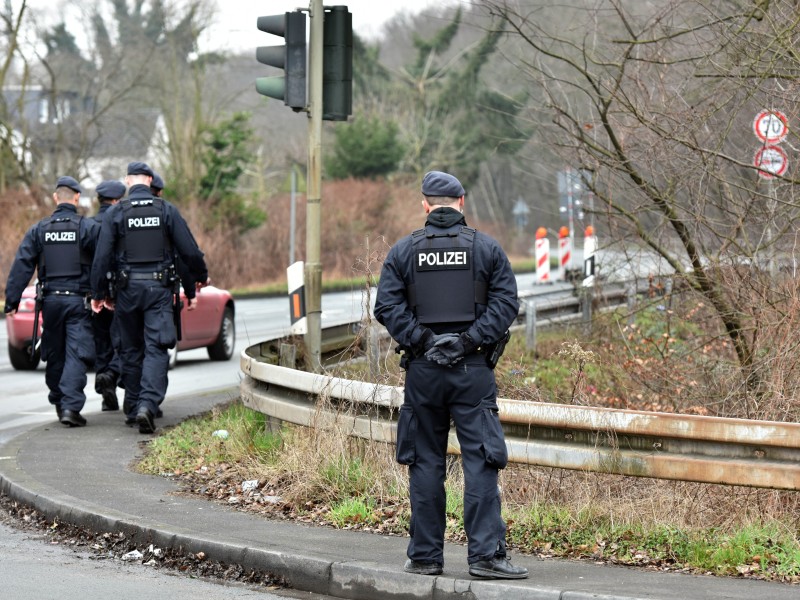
(68, 348)
(105, 342)
(146, 332)
(467, 393)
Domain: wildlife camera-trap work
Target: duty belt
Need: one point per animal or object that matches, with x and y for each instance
(63, 293)
(150, 275)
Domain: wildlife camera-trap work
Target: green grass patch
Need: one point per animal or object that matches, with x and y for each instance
(352, 511)
(192, 443)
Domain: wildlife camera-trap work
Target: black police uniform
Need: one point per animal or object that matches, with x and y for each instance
(106, 340)
(449, 278)
(139, 240)
(61, 248)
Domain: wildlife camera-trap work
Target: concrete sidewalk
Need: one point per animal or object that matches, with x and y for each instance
(81, 476)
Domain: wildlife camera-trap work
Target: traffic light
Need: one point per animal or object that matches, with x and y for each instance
(337, 64)
(291, 86)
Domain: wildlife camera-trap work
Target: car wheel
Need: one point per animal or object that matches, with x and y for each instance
(21, 358)
(222, 349)
(173, 356)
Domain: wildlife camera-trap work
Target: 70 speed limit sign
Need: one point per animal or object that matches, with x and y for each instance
(771, 126)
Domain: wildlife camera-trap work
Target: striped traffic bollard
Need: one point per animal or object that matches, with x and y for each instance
(589, 258)
(297, 298)
(542, 256)
(564, 251)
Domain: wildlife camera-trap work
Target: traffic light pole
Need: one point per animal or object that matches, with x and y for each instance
(313, 266)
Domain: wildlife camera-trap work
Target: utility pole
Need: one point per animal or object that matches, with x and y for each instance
(313, 266)
(329, 79)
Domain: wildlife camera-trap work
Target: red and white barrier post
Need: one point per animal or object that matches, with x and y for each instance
(297, 298)
(589, 250)
(564, 251)
(542, 256)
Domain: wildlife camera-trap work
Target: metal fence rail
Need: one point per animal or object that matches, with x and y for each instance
(681, 447)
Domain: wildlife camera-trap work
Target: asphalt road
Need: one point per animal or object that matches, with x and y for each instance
(72, 575)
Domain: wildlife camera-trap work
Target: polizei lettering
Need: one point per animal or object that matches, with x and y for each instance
(143, 222)
(442, 259)
(56, 237)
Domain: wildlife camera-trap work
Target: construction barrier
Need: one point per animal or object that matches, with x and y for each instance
(542, 256)
(589, 251)
(564, 251)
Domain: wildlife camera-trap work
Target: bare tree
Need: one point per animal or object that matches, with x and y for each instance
(657, 99)
(14, 159)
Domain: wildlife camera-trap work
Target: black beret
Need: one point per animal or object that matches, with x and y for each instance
(70, 182)
(139, 168)
(157, 183)
(111, 189)
(437, 183)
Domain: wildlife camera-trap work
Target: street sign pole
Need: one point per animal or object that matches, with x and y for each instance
(771, 128)
(313, 266)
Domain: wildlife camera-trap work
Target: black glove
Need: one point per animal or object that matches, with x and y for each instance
(425, 342)
(9, 308)
(450, 348)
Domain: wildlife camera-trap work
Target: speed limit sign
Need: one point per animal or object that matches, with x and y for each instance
(771, 161)
(771, 126)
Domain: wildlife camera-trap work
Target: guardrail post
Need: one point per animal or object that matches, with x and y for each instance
(288, 356)
(630, 294)
(373, 345)
(530, 324)
(586, 308)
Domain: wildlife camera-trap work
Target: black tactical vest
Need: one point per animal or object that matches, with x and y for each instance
(62, 256)
(444, 288)
(144, 230)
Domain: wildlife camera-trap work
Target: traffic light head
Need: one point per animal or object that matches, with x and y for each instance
(291, 86)
(337, 64)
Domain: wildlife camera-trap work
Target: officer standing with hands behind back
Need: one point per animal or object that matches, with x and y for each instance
(140, 239)
(61, 247)
(447, 296)
(106, 365)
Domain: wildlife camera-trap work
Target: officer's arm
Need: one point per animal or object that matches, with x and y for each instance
(392, 309)
(502, 306)
(187, 247)
(25, 261)
(103, 259)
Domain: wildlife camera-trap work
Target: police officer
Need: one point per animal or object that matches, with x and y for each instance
(106, 365)
(139, 240)
(60, 247)
(185, 275)
(157, 185)
(447, 296)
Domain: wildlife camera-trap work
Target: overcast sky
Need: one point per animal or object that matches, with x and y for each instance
(235, 25)
(236, 19)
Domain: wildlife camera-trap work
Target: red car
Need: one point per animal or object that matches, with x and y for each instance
(211, 325)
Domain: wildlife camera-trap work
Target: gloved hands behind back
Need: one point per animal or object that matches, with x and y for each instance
(448, 349)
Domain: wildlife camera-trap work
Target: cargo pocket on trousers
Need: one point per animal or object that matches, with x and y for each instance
(406, 452)
(494, 444)
(167, 336)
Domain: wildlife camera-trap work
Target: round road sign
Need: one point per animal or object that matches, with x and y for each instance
(771, 126)
(771, 161)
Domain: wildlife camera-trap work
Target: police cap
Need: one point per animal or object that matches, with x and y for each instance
(157, 183)
(139, 168)
(69, 182)
(437, 183)
(111, 190)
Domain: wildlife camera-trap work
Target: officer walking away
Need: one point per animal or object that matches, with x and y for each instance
(186, 277)
(139, 240)
(60, 247)
(106, 365)
(447, 296)
(157, 185)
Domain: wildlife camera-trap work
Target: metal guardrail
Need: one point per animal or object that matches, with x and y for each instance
(718, 450)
